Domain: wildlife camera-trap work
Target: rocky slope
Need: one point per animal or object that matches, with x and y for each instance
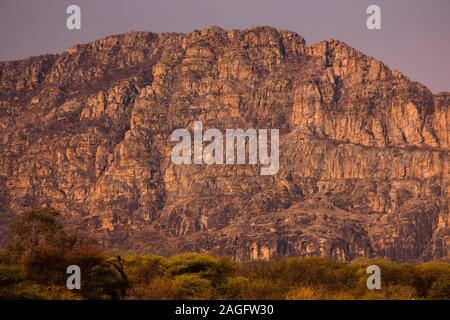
(364, 154)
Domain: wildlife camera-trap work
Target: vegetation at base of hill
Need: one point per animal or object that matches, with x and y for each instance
(34, 267)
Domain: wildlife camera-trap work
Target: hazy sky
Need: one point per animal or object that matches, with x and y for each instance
(415, 35)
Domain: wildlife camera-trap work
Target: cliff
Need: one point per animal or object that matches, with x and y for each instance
(364, 151)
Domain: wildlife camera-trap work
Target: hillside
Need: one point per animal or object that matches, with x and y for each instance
(364, 151)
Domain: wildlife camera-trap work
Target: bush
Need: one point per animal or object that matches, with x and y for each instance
(157, 289)
(34, 267)
(207, 267)
(10, 275)
(104, 282)
(42, 250)
(240, 287)
(303, 293)
(193, 286)
(235, 288)
(400, 292)
(432, 275)
(440, 290)
(33, 291)
(304, 272)
(143, 269)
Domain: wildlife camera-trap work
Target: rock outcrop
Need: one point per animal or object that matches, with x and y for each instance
(364, 151)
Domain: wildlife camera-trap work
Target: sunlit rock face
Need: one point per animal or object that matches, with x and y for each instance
(364, 151)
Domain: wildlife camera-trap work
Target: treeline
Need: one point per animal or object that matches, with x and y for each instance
(34, 264)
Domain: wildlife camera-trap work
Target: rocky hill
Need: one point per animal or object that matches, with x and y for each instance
(364, 151)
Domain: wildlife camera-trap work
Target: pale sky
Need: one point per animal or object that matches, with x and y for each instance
(415, 35)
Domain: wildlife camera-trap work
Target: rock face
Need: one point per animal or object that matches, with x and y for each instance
(364, 152)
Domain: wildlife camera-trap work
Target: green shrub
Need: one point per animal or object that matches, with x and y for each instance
(103, 282)
(235, 288)
(440, 290)
(193, 286)
(400, 292)
(212, 268)
(10, 274)
(142, 269)
(156, 289)
(33, 291)
(303, 272)
(35, 265)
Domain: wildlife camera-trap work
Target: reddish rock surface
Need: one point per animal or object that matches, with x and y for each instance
(364, 154)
